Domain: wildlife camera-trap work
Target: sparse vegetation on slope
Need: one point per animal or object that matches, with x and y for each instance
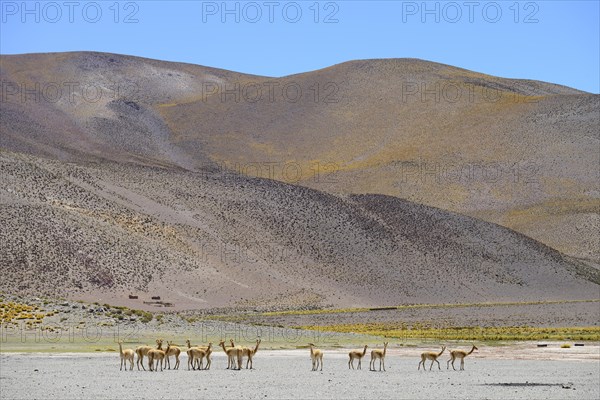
(497, 149)
(152, 192)
(191, 235)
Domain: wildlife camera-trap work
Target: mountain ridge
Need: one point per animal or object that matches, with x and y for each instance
(332, 66)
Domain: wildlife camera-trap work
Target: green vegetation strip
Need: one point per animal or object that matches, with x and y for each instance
(413, 306)
(395, 330)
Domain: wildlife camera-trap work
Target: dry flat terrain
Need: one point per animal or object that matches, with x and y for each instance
(288, 375)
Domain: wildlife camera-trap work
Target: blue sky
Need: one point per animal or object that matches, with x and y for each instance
(554, 41)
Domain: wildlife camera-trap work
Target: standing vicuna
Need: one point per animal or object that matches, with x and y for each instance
(378, 354)
(233, 354)
(430, 355)
(126, 355)
(248, 352)
(208, 359)
(194, 352)
(157, 355)
(454, 354)
(356, 354)
(172, 351)
(316, 357)
(142, 351)
(197, 355)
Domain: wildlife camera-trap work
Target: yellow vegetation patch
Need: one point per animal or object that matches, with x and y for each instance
(420, 331)
(10, 311)
(412, 306)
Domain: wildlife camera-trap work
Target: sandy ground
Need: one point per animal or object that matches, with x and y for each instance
(287, 374)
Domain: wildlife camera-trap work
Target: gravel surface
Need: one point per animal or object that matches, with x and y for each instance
(287, 374)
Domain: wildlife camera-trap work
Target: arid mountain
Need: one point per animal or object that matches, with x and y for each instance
(213, 239)
(523, 154)
(122, 174)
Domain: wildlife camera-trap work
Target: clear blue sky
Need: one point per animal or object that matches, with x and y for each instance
(554, 41)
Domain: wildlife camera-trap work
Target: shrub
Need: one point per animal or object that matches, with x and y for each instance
(146, 317)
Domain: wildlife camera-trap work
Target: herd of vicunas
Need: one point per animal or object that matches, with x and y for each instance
(196, 356)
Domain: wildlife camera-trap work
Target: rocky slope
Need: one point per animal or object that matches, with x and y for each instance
(522, 154)
(212, 239)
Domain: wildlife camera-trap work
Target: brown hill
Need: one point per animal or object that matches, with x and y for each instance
(124, 174)
(213, 239)
(523, 154)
